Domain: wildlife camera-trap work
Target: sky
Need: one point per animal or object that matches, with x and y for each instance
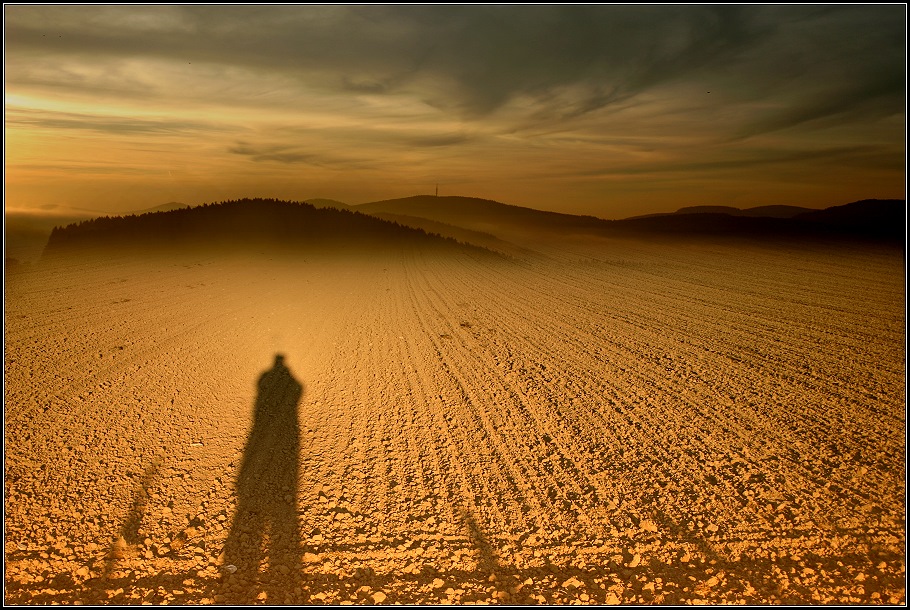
(602, 109)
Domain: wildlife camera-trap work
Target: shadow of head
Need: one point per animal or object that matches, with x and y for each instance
(280, 371)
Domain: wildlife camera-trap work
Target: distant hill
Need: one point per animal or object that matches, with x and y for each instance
(870, 219)
(775, 211)
(240, 226)
(876, 217)
(762, 211)
(704, 223)
(485, 215)
(866, 220)
(709, 209)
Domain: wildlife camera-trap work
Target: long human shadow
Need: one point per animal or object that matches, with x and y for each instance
(262, 552)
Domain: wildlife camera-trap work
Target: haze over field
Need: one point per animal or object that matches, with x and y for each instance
(647, 345)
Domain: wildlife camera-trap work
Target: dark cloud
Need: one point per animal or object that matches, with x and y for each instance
(871, 96)
(835, 66)
(286, 157)
(364, 86)
(475, 59)
(292, 155)
(280, 154)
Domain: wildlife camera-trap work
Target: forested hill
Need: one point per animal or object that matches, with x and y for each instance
(240, 225)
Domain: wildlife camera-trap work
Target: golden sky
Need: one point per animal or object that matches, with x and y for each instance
(604, 110)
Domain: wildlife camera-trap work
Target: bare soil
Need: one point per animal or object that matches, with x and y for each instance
(608, 422)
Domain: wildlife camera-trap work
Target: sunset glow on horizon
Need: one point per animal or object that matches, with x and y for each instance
(605, 110)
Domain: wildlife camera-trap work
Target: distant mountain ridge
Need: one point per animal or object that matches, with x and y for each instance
(868, 219)
(762, 211)
(484, 215)
(868, 214)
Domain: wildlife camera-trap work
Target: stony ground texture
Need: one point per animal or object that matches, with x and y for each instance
(606, 422)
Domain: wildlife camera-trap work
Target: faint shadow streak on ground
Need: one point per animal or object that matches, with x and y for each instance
(486, 561)
(489, 567)
(264, 540)
(129, 532)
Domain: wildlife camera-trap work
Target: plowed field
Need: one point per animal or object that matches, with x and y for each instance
(607, 422)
